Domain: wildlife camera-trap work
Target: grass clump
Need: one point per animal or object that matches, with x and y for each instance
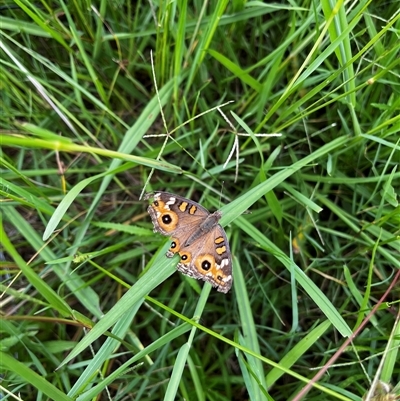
(91, 307)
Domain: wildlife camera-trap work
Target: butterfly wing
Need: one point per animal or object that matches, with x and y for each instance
(209, 259)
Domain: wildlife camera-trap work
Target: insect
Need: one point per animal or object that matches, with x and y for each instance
(196, 236)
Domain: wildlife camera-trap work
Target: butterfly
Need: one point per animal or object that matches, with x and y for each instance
(196, 237)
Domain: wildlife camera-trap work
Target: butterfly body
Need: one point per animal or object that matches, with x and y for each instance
(197, 237)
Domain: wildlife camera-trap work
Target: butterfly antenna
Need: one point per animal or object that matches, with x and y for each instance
(220, 194)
